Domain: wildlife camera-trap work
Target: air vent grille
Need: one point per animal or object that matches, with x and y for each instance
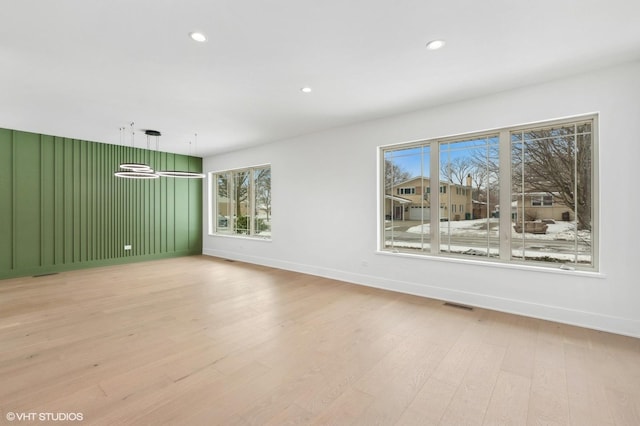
(458, 306)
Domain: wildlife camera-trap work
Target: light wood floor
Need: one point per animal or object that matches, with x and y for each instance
(198, 340)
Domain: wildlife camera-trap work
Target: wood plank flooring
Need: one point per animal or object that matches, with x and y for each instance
(200, 340)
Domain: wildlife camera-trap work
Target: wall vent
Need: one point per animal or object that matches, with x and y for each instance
(45, 275)
(458, 306)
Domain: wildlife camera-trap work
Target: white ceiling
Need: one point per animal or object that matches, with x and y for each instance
(85, 68)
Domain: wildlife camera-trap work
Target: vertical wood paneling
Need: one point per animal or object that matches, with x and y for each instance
(195, 204)
(157, 210)
(62, 208)
(170, 206)
(27, 224)
(181, 198)
(6, 199)
(47, 200)
(58, 213)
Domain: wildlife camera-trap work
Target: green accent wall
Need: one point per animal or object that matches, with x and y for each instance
(62, 208)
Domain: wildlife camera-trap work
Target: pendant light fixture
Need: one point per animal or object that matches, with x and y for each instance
(132, 170)
(182, 174)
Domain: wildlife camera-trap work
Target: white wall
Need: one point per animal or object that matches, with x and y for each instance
(324, 206)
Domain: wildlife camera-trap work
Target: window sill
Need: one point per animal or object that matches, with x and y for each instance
(498, 264)
(241, 237)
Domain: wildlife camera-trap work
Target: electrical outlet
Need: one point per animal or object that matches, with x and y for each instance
(127, 247)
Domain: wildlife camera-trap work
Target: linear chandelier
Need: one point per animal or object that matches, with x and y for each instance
(133, 170)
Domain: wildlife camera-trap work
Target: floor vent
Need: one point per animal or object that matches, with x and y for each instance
(457, 306)
(45, 275)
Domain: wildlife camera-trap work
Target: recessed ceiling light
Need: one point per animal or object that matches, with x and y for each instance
(306, 89)
(198, 37)
(435, 44)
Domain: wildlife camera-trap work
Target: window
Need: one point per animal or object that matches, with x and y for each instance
(406, 191)
(397, 164)
(542, 200)
(559, 160)
(240, 202)
(542, 175)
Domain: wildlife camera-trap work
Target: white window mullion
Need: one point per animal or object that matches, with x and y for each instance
(422, 201)
(434, 184)
(213, 201)
(232, 202)
(251, 202)
(487, 182)
(575, 191)
(504, 155)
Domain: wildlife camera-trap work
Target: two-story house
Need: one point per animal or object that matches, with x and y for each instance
(412, 200)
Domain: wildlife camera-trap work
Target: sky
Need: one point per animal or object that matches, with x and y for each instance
(416, 160)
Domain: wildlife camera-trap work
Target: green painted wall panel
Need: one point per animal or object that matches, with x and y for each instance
(170, 206)
(6, 199)
(26, 177)
(63, 209)
(58, 209)
(47, 201)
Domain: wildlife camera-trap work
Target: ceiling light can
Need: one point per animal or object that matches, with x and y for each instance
(435, 44)
(197, 36)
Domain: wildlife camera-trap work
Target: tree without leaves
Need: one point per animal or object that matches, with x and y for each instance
(394, 174)
(240, 191)
(241, 181)
(480, 165)
(556, 162)
(263, 190)
(485, 175)
(456, 170)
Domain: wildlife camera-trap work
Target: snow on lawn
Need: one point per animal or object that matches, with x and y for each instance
(559, 231)
(493, 252)
(478, 228)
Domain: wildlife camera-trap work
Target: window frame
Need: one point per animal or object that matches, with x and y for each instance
(505, 174)
(213, 228)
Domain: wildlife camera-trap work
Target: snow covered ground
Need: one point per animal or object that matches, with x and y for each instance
(556, 245)
(563, 231)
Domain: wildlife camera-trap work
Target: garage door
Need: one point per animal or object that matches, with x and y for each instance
(419, 213)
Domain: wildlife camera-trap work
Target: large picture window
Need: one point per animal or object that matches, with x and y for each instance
(516, 195)
(240, 202)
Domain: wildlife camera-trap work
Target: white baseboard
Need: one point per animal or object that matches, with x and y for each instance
(611, 324)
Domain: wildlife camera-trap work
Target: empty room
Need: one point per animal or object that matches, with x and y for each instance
(323, 213)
